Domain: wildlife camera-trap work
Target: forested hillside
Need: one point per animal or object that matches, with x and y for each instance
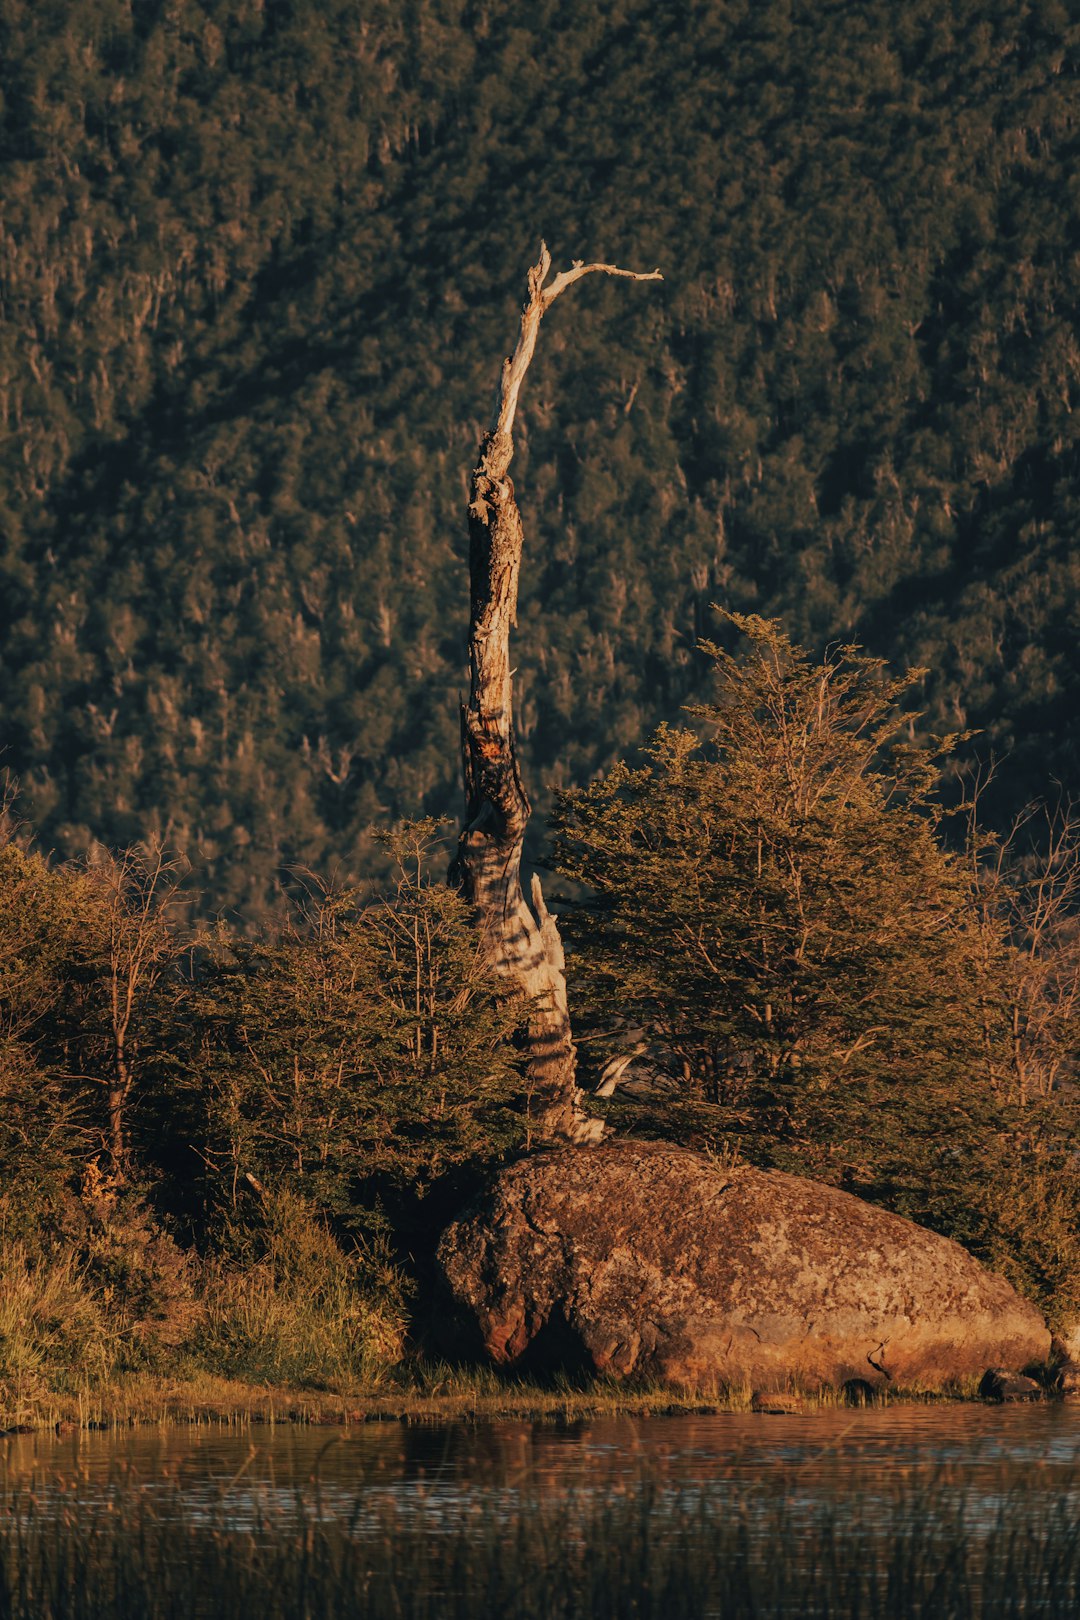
(259, 261)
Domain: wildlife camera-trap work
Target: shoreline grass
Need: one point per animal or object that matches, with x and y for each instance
(437, 1395)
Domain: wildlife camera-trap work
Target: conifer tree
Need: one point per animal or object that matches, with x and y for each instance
(773, 906)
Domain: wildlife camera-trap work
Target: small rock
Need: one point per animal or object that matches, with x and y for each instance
(859, 1392)
(1067, 1382)
(16, 1428)
(1065, 1344)
(778, 1403)
(998, 1384)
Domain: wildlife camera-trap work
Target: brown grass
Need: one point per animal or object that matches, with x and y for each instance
(434, 1395)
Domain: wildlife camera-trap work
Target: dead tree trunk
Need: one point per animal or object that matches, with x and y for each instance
(522, 941)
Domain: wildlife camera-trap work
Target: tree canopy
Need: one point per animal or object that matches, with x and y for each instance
(251, 290)
(770, 925)
(775, 906)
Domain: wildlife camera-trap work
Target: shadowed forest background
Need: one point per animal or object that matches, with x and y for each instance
(259, 260)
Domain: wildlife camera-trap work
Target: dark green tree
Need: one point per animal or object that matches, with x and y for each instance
(366, 1042)
(43, 1131)
(773, 908)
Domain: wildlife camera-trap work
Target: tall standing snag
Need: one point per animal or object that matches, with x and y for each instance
(523, 942)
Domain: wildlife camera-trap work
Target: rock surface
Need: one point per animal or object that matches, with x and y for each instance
(997, 1384)
(1067, 1383)
(646, 1259)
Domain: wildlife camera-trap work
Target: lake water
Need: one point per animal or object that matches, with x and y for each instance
(905, 1513)
(817, 1463)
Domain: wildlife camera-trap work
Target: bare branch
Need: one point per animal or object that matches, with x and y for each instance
(566, 278)
(539, 301)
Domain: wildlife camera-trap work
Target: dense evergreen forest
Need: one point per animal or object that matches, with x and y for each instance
(259, 261)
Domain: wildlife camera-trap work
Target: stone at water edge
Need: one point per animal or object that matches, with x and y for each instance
(1065, 1359)
(1066, 1344)
(782, 1403)
(997, 1384)
(638, 1258)
(860, 1392)
(1067, 1383)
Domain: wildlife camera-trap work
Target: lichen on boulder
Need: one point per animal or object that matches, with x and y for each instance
(647, 1260)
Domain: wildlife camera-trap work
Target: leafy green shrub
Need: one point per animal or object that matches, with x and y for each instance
(367, 1040)
(290, 1305)
(55, 1333)
(145, 1282)
(91, 1286)
(89, 995)
(1025, 1218)
(773, 907)
(43, 930)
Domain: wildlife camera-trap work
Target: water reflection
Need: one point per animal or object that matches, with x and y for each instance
(440, 1476)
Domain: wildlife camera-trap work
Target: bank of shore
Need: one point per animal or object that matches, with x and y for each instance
(437, 1396)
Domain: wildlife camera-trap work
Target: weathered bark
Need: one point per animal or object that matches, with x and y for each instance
(523, 941)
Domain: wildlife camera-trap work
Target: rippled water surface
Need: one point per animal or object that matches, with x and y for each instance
(1029, 1456)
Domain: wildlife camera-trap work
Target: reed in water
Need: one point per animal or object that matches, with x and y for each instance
(950, 1547)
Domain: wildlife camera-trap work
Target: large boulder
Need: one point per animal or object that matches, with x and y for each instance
(641, 1258)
